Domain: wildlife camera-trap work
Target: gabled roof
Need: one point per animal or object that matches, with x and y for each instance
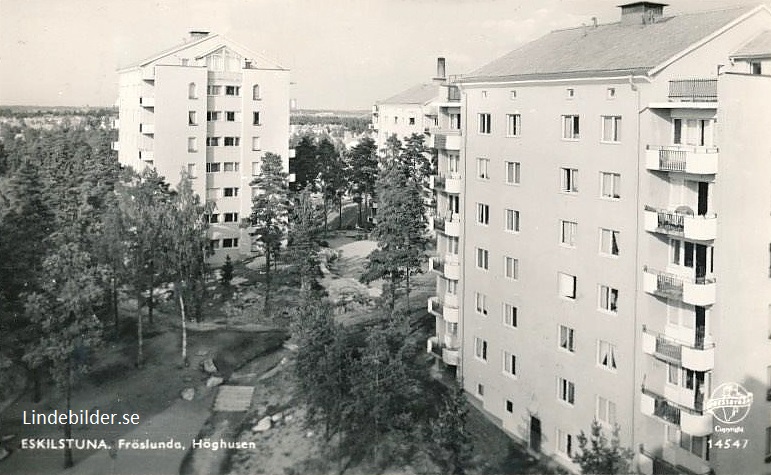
(420, 94)
(756, 47)
(617, 48)
(206, 45)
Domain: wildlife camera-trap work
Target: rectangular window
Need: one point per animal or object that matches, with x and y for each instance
(509, 406)
(412, 121)
(570, 127)
(568, 232)
(230, 242)
(673, 374)
(566, 391)
(231, 166)
(192, 170)
(768, 442)
(214, 244)
(213, 167)
(513, 125)
(606, 355)
(192, 118)
(453, 245)
(255, 168)
(214, 218)
(232, 141)
(608, 299)
(229, 192)
(509, 364)
(192, 144)
(451, 287)
(214, 90)
(213, 116)
(566, 338)
(756, 67)
(480, 390)
(232, 91)
(569, 180)
(610, 185)
(512, 220)
(255, 143)
(485, 123)
(564, 441)
(511, 268)
(255, 118)
(570, 93)
(212, 141)
(509, 315)
(480, 348)
(481, 303)
(231, 217)
(483, 168)
(606, 411)
(454, 121)
(512, 173)
(483, 258)
(483, 214)
(611, 129)
(608, 242)
(230, 116)
(567, 285)
(611, 93)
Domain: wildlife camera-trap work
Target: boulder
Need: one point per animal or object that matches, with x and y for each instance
(276, 417)
(264, 424)
(208, 366)
(214, 381)
(188, 394)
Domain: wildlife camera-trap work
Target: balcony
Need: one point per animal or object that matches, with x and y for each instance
(699, 357)
(148, 102)
(450, 227)
(691, 421)
(682, 159)
(146, 155)
(670, 459)
(451, 357)
(147, 129)
(436, 182)
(447, 269)
(694, 291)
(433, 347)
(693, 90)
(435, 307)
(680, 224)
(449, 140)
(148, 73)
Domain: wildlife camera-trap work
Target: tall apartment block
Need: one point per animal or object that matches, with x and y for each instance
(212, 108)
(605, 239)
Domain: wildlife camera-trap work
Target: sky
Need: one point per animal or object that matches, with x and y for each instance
(343, 54)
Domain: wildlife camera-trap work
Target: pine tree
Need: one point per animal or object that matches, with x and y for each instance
(363, 166)
(449, 443)
(226, 272)
(598, 455)
(305, 165)
(304, 239)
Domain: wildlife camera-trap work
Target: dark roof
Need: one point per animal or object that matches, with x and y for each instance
(606, 49)
(419, 94)
(758, 46)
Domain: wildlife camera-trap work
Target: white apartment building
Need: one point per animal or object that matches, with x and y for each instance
(612, 220)
(212, 108)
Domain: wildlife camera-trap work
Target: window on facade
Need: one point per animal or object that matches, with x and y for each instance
(611, 128)
(483, 214)
(610, 185)
(483, 258)
(453, 245)
(192, 170)
(509, 406)
(214, 218)
(483, 168)
(480, 348)
(608, 299)
(509, 364)
(255, 168)
(192, 91)
(232, 90)
(192, 118)
(213, 167)
(212, 116)
(230, 242)
(564, 443)
(256, 118)
(512, 173)
(568, 232)
(512, 220)
(570, 127)
(453, 164)
(755, 67)
(509, 315)
(611, 92)
(256, 92)
(768, 442)
(192, 144)
(569, 180)
(606, 355)
(454, 121)
(566, 338)
(606, 411)
(566, 391)
(513, 125)
(232, 141)
(609, 242)
(230, 116)
(229, 192)
(698, 446)
(213, 90)
(512, 94)
(231, 167)
(480, 390)
(212, 141)
(451, 287)
(255, 143)
(511, 268)
(570, 93)
(481, 303)
(214, 244)
(412, 121)
(485, 123)
(231, 217)
(567, 285)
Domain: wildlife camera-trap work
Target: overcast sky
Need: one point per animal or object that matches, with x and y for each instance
(343, 54)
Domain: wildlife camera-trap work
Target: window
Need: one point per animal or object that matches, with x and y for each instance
(570, 93)
(570, 127)
(568, 231)
(192, 91)
(606, 355)
(768, 443)
(484, 94)
(480, 348)
(214, 244)
(454, 121)
(611, 93)
(566, 391)
(610, 185)
(511, 268)
(608, 242)
(485, 123)
(512, 173)
(566, 338)
(567, 285)
(255, 168)
(232, 141)
(231, 217)
(483, 168)
(192, 118)
(452, 287)
(608, 299)
(255, 143)
(213, 90)
(192, 144)
(212, 193)
(481, 303)
(509, 315)
(396, 119)
(509, 406)
(512, 220)
(673, 374)
(606, 411)
(212, 141)
(412, 121)
(698, 446)
(513, 125)
(229, 192)
(256, 92)
(611, 128)
(564, 443)
(483, 257)
(213, 167)
(453, 245)
(192, 170)
(453, 163)
(512, 94)
(509, 364)
(256, 118)
(231, 167)
(230, 242)
(755, 67)
(569, 183)
(483, 214)
(212, 116)
(232, 91)
(480, 390)
(230, 116)
(214, 218)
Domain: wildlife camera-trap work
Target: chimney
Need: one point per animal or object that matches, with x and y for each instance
(197, 35)
(441, 73)
(594, 22)
(641, 13)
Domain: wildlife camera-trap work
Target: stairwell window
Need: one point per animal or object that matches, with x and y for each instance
(606, 355)
(610, 185)
(611, 129)
(485, 124)
(513, 125)
(571, 127)
(608, 299)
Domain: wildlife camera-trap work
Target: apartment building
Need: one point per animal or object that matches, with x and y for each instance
(614, 240)
(212, 108)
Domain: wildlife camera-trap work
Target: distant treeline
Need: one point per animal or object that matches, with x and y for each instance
(40, 111)
(354, 124)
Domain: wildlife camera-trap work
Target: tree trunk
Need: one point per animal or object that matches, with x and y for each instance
(68, 462)
(325, 215)
(184, 328)
(358, 220)
(340, 220)
(114, 295)
(150, 300)
(268, 253)
(408, 290)
(140, 355)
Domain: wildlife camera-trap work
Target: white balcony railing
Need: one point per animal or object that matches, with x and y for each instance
(675, 223)
(683, 159)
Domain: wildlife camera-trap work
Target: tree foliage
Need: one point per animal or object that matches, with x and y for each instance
(449, 442)
(305, 238)
(600, 455)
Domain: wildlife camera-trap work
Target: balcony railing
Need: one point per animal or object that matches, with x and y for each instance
(435, 307)
(692, 421)
(694, 291)
(437, 265)
(682, 158)
(693, 90)
(698, 227)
